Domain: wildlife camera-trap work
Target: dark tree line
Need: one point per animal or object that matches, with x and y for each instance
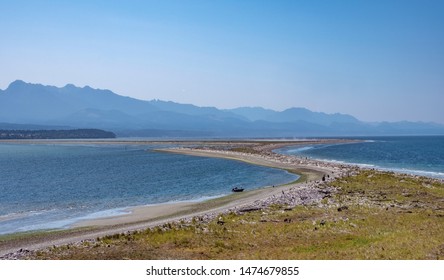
(56, 134)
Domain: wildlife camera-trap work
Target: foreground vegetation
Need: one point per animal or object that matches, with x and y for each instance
(372, 215)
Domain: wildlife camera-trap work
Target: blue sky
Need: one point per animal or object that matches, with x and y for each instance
(376, 60)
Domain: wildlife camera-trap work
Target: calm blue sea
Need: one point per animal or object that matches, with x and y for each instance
(54, 186)
(419, 155)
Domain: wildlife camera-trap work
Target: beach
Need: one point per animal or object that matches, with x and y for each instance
(142, 217)
(314, 188)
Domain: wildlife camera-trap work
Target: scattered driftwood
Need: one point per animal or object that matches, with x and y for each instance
(250, 209)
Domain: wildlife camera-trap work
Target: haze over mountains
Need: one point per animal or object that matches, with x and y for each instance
(34, 106)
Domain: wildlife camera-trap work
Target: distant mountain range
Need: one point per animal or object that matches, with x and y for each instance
(34, 106)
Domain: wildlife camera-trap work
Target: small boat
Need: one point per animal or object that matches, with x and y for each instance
(236, 189)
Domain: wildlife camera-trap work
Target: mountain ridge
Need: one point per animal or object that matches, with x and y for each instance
(86, 107)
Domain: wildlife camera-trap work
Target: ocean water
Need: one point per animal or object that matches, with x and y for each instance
(419, 155)
(54, 186)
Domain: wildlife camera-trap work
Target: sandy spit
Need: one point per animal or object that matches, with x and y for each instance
(150, 216)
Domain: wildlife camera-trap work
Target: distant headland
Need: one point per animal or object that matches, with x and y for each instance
(57, 134)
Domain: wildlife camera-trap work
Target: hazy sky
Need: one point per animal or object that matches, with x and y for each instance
(376, 60)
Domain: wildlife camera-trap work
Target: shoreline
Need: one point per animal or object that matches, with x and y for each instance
(149, 216)
(308, 190)
(306, 173)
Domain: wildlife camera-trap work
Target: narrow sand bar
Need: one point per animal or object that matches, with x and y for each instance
(153, 215)
(177, 210)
